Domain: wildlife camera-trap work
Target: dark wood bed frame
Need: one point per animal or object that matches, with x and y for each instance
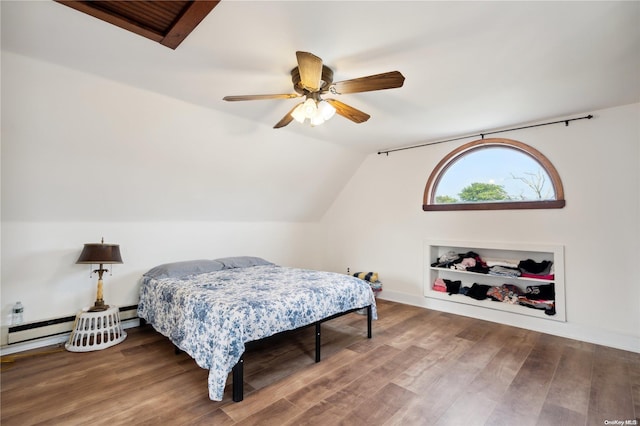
(238, 369)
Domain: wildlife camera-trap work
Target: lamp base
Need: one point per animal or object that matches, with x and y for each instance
(99, 306)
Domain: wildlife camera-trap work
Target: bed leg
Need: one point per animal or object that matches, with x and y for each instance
(318, 341)
(369, 314)
(238, 385)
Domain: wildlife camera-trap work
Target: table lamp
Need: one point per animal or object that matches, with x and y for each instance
(100, 254)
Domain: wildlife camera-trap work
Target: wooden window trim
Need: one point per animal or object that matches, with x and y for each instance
(428, 201)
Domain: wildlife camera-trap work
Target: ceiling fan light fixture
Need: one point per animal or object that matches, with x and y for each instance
(326, 110)
(298, 113)
(310, 108)
(316, 120)
(317, 111)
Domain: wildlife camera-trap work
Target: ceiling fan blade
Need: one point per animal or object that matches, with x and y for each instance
(287, 118)
(349, 112)
(310, 67)
(387, 80)
(259, 97)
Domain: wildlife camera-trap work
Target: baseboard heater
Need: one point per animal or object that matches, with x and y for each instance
(55, 326)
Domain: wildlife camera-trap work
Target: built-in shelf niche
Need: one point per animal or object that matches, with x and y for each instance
(555, 253)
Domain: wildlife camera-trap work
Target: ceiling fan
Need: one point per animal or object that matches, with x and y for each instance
(312, 79)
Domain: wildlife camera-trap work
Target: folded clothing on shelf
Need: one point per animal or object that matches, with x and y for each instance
(541, 292)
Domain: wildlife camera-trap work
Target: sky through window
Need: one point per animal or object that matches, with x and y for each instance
(517, 172)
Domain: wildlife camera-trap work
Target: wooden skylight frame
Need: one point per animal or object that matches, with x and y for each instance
(166, 22)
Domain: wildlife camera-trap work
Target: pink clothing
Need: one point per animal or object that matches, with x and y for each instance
(549, 277)
(439, 285)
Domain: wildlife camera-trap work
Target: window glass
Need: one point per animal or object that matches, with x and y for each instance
(491, 174)
(494, 174)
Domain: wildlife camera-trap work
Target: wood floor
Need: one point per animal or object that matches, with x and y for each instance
(421, 368)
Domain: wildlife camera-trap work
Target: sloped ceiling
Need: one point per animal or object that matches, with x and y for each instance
(469, 66)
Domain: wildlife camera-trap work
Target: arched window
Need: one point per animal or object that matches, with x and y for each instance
(494, 174)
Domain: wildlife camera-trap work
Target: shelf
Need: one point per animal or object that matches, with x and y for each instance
(555, 253)
(491, 304)
(490, 276)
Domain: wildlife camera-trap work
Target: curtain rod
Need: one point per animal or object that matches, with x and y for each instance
(482, 135)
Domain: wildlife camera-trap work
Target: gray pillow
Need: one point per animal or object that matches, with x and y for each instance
(242, 261)
(184, 269)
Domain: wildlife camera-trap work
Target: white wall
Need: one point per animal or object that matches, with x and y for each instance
(377, 224)
(78, 147)
(84, 157)
(38, 258)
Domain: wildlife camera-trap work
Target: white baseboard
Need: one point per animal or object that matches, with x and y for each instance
(562, 329)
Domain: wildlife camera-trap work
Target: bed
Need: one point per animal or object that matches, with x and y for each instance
(211, 309)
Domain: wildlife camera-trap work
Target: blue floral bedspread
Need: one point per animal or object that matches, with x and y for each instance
(212, 315)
